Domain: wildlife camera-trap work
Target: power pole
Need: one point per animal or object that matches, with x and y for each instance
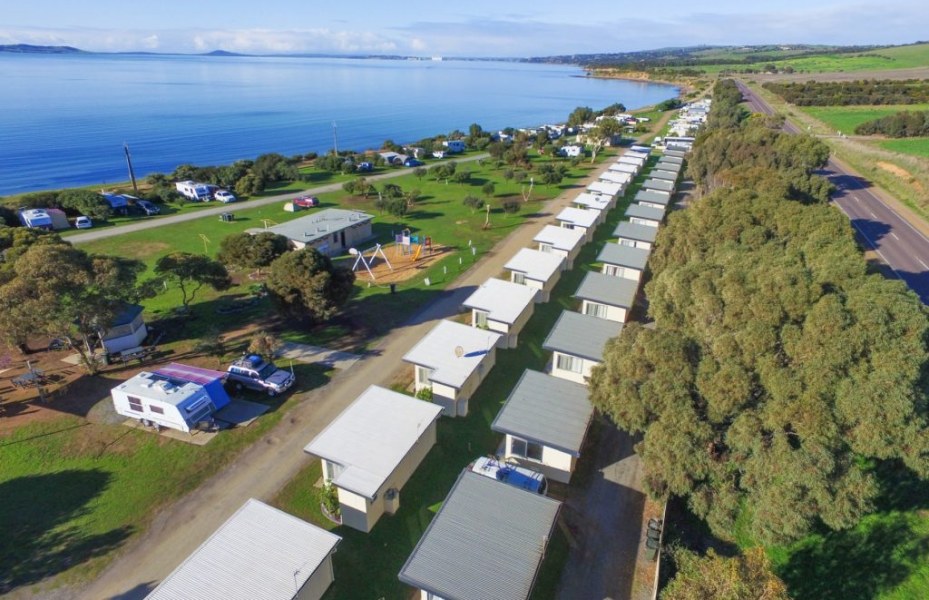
(131, 171)
(335, 138)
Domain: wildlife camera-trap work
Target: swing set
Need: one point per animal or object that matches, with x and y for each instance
(368, 261)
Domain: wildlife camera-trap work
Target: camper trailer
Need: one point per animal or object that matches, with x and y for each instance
(197, 192)
(161, 400)
(36, 218)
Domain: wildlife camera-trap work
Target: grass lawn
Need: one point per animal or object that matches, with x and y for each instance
(846, 118)
(74, 491)
(381, 553)
(913, 146)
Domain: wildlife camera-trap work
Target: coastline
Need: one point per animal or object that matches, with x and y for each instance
(684, 87)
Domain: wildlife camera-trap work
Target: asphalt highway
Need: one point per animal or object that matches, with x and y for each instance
(900, 245)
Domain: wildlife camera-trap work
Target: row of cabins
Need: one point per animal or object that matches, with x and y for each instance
(488, 538)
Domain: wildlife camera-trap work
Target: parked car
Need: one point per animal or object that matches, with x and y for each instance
(364, 167)
(255, 373)
(510, 474)
(224, 196)
(306, 201)
(413, 162)
(149, 208)
(83, 222)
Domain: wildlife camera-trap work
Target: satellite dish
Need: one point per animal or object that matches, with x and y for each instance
(353, 251)
(459, 351)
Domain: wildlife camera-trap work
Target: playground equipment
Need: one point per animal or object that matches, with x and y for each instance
(406, 242)
(368, 261)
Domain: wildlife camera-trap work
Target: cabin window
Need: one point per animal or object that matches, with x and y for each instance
(423, 374)
(333, 470)
(134, 403)
(545, 247)
(519, 278)
(595, 310)
(156, 409)
(625, 242)
(525, 449)
(568, 363)
(613, 270)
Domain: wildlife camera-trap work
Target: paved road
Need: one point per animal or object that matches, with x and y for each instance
(266, 466)
(99, 234)
(900, 245)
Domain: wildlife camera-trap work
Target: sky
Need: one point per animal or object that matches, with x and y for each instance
(479, 28)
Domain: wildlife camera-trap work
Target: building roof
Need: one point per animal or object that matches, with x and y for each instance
(624, 168)
(546, 409)
(439, 350)
(670, 158)
(605, 187)
(593, 201)
(260, 553)
(653, 197)
(670, 163)
(487, 542)
(192, 374)
(642, 149)
(619, 177)
(579, 217)
(128, 315)
(658, 184)
(581, 335)
(607, 289)
(637, 153)
(535, 264)
(662, 174)
(624, 256)
(635, 231)
(560, 238)
(645, 212)
(372, 436)
(504, 301)
(317, 225)
(631, 160)
(675, 153)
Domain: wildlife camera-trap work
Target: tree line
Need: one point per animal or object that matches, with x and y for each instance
(901, 125)
(780, 369)
(848, 93)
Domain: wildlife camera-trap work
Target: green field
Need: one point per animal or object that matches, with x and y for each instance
(74, 491)
(913, 146)
(902, 57)
(846, 118)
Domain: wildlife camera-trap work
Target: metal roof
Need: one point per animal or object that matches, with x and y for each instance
(605, 187)
(560, 238)
(127, 315)
(372, 436)
(624, 256)
(658, 184)
(634, 231)
(320, 224)
(260, 553)
(607, 289)
(593, 201)
(670, 158)
(535, 264)
(550, 410)
(615, 177)
(487, 542)
(624, 168)
(662, 174)
(645, 212)
(637, 153)
(667, 163)
(631, 160)
(652, 196)
(675, 153)
(191, 374)
(153, 386)
(579, 217)
(504, 301)
(437, 350)
(581, 335)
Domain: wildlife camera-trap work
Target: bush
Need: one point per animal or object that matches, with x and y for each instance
(425, 394)
(473, 202)
(329, 498)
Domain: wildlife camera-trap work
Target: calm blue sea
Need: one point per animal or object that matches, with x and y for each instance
(64, 119)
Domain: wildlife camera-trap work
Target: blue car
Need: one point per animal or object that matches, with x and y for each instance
(412, 162)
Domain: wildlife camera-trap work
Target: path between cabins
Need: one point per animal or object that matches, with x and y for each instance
(99, 234)
(272, 461)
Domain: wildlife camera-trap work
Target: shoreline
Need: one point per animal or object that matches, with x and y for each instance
(683, 86)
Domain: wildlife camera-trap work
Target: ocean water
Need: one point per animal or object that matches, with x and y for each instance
(64, 119)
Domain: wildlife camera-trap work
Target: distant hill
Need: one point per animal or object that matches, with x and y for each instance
(30, 49)
(222, 53)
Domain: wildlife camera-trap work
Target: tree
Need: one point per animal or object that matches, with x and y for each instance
(306, 285)
(602, 135)
(511, 207)
(489, 189)
(768, 382)
(712, 576)
(264, 343)
(419, 172)
(252, 251)
(85, 202)
(395, 206)
(249, 185)
(580, 115)
(473, 202)
(411, 196)
(63, 292)
(190, 272)
(508, 175)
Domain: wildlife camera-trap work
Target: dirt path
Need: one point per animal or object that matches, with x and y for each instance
(99, 234)
(265, 467)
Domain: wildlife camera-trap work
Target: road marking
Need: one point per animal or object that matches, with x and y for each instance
(872, 214)
(925, 266)
(894, 235)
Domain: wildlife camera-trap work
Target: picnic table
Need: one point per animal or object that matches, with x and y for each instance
(29, 379)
